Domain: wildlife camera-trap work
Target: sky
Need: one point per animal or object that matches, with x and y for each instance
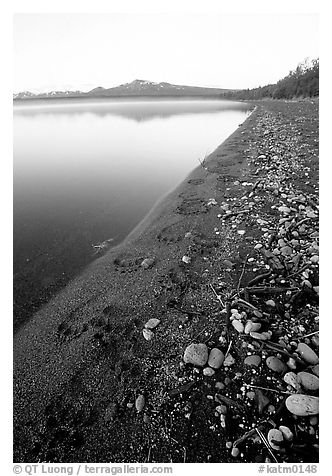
(82, 51)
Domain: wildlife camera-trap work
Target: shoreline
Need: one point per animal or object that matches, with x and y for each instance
(82, 358)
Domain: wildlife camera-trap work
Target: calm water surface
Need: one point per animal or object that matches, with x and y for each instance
(86, 171)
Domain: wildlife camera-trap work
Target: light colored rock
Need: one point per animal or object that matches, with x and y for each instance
(147, 334)
(148, 263)
(216, 358)
(152, 323)
(286, 432)
(275, 364)
(275, 437)
(291, 379)
(270, 303)
(252, 327)
(308, 381)
(235, 452)
(208, 372)
(196, 354)
(291, 363)
(238, 326)
(284, 210)
(252, 360)
(286, 251)
(186, 259)
(302, 405)
(307, 354)
(229, 361)
(140, 403)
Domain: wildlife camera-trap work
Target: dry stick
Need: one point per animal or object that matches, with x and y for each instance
(299, 271)
(268, 290)
(262, 437)
(307, 335)
(229, 348)
(259, 278)
(268, 389)
(242, 273)
(247, 304)
(217, 295)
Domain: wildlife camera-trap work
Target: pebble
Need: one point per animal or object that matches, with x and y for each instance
(307, 354)
(270, 303)
(148, 263)
(216, 358)
(308, 381)
(286, 432)
(252, 327)
(220, 385)
(196, 354)
(286, 251)
(152, 323)
(285, 210)
(186, 259)
(274, 437)
(302, 405)
(291, 363)
(291, 379)
(147, 334)
(235, 452)
(208, 372)
(229, 361)
(276, 364)
(238, 326)
(253, 360)
(140, 403)
(221, 409)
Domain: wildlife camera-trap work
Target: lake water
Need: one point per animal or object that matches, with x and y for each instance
(87, 171)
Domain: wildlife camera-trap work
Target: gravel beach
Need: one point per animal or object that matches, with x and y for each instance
(195, 340)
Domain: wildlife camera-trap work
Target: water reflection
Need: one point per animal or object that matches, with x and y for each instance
(85, 172)
(137, 110)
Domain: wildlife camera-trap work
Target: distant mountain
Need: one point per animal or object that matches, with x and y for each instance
(136, 88)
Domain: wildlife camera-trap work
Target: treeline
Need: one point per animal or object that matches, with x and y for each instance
(303, 82)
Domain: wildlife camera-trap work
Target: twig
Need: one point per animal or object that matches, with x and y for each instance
(217, 295)
(262, 437)
(299, 271)
(259, 278)
(268, 290)
(242, 273)
(307, 335)
(247, 304)
(229, 348)
(267, 389)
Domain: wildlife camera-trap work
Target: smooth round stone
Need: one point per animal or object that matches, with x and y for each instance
(208, 372)
(308, 381)
(235, 452)
(302, 405)
(252, 360)
(307, 354)
(270, 303)
(286, 433)
(216, 358)
(275, 364)
(286, 250)
(238, 326)
(152, 323)
(274, 437)
(147, 334)
(196, 354)
(140, 403)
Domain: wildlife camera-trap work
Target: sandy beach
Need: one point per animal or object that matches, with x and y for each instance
(81, 362)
